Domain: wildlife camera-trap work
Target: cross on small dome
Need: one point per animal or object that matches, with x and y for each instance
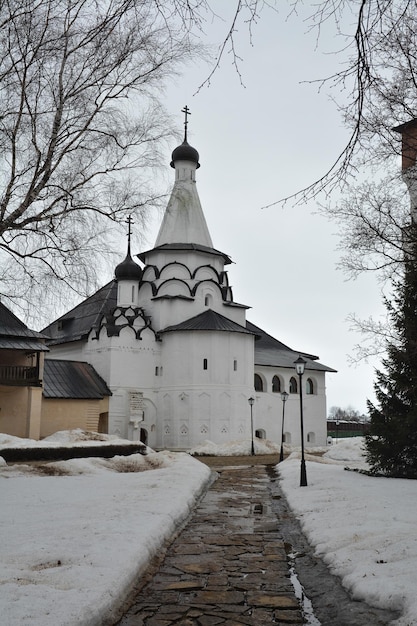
(185, 152)
(128, 269)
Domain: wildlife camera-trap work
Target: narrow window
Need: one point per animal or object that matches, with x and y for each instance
(293, 385)
(276, 385)
(156, 371)
(206, 301)
(235, 365)
(309, 386)
(133, 293)
(259, 386)
(205, 364)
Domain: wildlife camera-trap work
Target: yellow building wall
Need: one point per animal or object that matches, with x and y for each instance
(20, 407)
(34, 412)
(59, 414)
(14, 404)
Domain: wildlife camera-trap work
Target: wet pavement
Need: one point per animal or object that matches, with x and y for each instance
(242, 560)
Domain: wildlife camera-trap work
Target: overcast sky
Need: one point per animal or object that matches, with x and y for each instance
(257, 144)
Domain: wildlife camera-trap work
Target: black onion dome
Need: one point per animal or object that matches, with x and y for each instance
(128, 270)
(185, 152)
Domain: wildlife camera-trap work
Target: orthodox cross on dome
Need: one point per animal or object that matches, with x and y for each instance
(129, 221)
(186, 112)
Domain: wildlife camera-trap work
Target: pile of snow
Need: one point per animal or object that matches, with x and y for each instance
(362, 527)
(76, 437)
(349, 449)
(94, 465)
(76, 535)
(236, 448)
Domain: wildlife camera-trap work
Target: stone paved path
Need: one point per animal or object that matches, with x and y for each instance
(228, 566)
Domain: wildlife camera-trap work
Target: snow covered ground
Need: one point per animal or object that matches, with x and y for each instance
(73, 537)
(363, 528)
(73, 540)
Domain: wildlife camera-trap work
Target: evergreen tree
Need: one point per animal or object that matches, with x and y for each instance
(392, 441)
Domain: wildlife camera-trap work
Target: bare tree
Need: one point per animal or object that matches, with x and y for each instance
(80, 85)
(348, 414)
(377, 86)
(376, 82)
(82, 125)
(373, 218)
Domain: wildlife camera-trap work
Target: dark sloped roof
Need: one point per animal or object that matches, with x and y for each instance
(15, 335)
(208, 320)
(29, 345)
(72, 379)
(186, 246)
(77, 323)
(271, 352)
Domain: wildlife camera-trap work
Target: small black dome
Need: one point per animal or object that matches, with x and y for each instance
(128, 270)
(185, 152)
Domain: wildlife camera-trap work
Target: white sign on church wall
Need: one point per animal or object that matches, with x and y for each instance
(136, 405)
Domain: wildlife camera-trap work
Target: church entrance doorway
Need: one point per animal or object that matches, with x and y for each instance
(144, 436)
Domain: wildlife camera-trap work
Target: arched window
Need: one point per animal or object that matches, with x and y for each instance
(293, 385)
(309, 386)
(259, 386)
(311, 437)
(276, 384)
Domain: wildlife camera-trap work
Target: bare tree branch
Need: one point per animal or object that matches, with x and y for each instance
(79, 84)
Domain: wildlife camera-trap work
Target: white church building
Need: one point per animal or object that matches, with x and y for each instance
(177, 352)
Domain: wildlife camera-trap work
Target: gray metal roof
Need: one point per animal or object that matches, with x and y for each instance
(272, 353)
(15, 335)
(72, 380)
(208, 320)
(29, 345)
(77, 323)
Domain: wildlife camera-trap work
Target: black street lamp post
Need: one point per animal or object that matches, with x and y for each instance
(251, 401)
(284, 398)
(300, 364)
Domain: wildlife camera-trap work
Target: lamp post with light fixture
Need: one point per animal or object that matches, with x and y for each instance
(251, 401)
(284, 398)
(300, 364)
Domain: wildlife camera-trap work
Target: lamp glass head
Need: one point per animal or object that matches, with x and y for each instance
(300, 364)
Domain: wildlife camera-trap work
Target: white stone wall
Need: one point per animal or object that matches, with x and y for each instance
(196, 404)
(267, 409)
(187, 274)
